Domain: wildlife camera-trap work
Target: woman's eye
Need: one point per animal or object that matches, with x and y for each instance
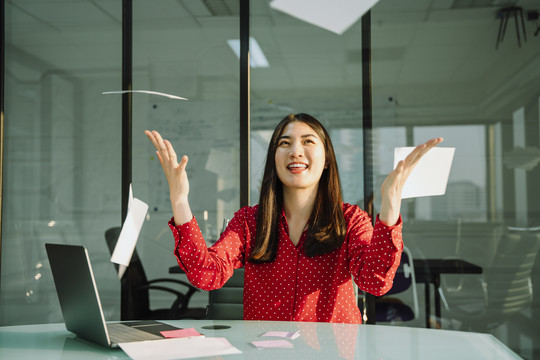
(283, 143)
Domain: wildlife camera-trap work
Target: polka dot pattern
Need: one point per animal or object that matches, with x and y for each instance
(295, 287)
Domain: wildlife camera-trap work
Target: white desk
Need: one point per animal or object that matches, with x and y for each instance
(317, 341)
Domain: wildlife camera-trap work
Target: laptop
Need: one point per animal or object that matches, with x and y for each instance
(80, 303)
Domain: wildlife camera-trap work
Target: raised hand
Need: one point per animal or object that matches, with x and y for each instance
(176, 177)
(392, 186)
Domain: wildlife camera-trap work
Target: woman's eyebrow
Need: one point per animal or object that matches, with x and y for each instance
(302, 136)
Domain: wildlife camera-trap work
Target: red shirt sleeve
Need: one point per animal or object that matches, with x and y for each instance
(374, 254)
(210, 268)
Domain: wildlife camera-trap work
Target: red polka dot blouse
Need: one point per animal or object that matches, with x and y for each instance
(294, 286)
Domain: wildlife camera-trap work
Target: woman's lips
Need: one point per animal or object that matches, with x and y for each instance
(297, 168)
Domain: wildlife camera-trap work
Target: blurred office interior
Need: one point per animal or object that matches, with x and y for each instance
(465, 70)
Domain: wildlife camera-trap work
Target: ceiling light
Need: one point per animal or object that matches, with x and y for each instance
(256, 55)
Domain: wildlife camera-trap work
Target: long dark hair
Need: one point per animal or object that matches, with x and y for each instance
(326, 225)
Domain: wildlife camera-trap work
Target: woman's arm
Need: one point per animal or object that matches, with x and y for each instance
(210, 268)
(206, 268)
(373, 252)
(176, 177)
(393, 184)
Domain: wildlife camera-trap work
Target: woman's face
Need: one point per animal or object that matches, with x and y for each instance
(300, 157)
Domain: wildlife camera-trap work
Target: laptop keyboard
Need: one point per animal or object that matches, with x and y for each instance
(120, 333)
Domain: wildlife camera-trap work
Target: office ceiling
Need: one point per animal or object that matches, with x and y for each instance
(436, 52)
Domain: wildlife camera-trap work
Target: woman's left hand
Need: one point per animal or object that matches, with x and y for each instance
(392, 186)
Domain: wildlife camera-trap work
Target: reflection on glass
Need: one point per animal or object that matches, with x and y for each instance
(183, 50)
(466, 196)
(436, 73)
(62, 137)
(61, 174)
(257, 59)
(312, 71)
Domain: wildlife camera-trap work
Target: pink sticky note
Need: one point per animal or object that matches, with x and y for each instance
(272, 344)
(180, 333)
(283, 334)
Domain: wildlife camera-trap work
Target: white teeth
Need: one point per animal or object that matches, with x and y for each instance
(297, 166)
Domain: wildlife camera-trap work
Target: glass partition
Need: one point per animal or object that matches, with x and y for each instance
(438, 71)
(62, 165)
(62, 149)
(310, 70)
(183, 50)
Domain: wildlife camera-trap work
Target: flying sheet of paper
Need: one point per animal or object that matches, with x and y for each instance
(336, 15)
(430, 176)
(143, 92)
(129, 234)
(181, 348)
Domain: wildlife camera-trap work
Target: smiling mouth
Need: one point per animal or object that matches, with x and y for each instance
(297, 167)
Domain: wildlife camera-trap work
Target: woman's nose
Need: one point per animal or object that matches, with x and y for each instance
(296, 151)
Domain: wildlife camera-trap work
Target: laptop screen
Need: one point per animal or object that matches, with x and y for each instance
(77, 292)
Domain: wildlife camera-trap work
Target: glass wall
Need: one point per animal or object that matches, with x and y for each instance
(310, 70)
(183, 49)
(437, 71)
(62, 164)
(62, 148)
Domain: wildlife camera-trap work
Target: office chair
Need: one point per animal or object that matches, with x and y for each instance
(136, 302)
(227, 303)
(391, 309)
(484, 302)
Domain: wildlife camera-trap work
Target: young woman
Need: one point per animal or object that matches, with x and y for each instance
(301, 244)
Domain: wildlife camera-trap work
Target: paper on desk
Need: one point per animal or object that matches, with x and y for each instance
(182, 348)
(430, 175)
(336, 16)
(130, 233)
(143, 92)
(272, 344)
(284, 334)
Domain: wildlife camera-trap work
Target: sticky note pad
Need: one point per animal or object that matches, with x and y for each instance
(180, 333)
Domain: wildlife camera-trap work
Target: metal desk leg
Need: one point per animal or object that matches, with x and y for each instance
(428, 304)
(437, 284)
(369, 308)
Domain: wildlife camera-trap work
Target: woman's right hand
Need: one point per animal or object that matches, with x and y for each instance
(176, 176)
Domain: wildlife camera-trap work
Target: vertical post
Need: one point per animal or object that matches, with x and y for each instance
(367, 127)
(2, 47)
(244, 104)
(127, 79)
(410, 206)
(490, 173)
(508, 179)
